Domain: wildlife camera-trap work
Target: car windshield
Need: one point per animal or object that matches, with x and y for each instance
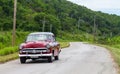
(37, 37)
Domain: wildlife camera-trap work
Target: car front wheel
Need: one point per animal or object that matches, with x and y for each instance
(56, 57)
(22, 59)
(50, 59)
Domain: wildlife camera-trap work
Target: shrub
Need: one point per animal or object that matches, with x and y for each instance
(8, 50)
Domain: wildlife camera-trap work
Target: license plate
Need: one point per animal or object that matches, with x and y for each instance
(34, 56)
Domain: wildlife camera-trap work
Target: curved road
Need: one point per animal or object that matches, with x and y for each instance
(79, 58)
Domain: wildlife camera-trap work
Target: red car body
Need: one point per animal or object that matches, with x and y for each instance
(39, 45)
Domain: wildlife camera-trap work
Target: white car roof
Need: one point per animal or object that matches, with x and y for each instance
(41, 33)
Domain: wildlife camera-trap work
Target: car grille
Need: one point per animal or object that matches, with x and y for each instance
(33, 51)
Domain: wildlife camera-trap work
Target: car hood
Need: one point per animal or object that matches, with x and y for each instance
(40, 44)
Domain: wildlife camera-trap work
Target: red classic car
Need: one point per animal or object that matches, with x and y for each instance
(39, 45)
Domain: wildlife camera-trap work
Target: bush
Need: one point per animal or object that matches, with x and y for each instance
(1, 45)
(6, 38)
(8, 50)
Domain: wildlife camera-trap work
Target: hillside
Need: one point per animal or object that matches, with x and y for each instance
(58, 16)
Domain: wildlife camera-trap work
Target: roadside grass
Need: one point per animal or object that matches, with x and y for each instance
(64, 44)
(10, 53)
(9, 57)
(8, 50)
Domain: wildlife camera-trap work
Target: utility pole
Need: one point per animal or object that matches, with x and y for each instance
(94, 29)
(111, 34)
(78, 23)
(43, 28)
(14, 23)
(50, 27)
(43, 22)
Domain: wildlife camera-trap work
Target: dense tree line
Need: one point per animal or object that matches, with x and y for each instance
(61, 15)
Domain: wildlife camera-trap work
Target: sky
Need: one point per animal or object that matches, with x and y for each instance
(106, 6)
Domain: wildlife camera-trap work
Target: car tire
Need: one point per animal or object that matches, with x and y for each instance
(33, 59)
(22, 59)
(50, 60)
(56, 57)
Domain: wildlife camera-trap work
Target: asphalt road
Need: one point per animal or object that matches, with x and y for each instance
(79, 58)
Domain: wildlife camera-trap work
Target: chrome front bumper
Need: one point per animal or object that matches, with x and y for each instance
(35, 55)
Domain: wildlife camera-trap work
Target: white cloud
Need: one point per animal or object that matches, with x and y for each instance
(99, 5)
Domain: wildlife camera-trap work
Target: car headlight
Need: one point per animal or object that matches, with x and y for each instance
(47, 46)
(21, 46)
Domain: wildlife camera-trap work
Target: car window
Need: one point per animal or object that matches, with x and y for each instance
(36, 37)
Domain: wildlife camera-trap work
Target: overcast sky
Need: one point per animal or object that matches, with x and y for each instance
(107, 6)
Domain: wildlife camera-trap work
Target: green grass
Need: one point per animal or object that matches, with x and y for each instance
(8, 50)
(8, 57)
(64, 44)
(6, 38)
(116, 46)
